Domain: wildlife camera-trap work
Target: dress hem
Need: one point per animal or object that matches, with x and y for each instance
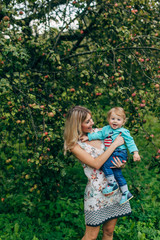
(122, 215)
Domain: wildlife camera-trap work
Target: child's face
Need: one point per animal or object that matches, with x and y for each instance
(115, 121)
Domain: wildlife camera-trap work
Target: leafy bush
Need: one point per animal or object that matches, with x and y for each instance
(110, 58)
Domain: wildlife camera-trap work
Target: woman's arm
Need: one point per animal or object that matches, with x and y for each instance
(86, 158)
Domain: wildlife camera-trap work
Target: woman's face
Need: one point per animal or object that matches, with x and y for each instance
(87, 124)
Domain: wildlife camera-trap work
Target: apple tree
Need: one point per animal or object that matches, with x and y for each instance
(58, 54)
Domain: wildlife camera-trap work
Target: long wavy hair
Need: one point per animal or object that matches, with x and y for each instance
(73, 126)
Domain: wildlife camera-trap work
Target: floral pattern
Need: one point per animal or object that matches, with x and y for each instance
(93, 197)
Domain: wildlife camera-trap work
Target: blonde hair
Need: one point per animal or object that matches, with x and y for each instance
(73, 126)
(118, 111)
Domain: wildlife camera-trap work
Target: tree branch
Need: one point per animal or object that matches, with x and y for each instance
(107, 50)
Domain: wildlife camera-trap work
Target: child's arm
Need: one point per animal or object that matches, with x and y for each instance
(131, 145)
(129, 141)
(136, 157)
(93, 136)
(100, 135)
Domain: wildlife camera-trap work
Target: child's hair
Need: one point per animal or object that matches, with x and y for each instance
(118, 111)
(73, 130)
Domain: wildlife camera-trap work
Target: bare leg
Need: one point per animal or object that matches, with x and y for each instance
(91, 233)
(108, 229)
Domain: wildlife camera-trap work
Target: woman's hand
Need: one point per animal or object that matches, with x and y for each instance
(118, 164)
(118, 141)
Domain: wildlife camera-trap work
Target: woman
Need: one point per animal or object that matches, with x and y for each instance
(98, 208)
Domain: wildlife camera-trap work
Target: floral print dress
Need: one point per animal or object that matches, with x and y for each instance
(97, 207)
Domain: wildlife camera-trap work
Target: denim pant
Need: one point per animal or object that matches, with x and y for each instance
(117, 172)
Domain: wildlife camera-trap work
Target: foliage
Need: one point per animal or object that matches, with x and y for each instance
(104, 54)
(25, 218)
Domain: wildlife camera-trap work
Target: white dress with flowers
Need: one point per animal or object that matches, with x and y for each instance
(98, 208)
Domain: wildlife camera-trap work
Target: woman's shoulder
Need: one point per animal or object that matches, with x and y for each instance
(80, 144)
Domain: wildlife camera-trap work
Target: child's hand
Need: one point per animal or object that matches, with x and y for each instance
(84, 138)
(136, 157)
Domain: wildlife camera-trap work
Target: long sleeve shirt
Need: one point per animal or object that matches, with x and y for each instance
(113, 133)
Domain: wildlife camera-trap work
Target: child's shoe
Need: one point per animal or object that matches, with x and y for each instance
(110, 188)
(126, 196)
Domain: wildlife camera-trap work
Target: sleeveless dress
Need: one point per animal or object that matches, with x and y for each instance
(98, 208)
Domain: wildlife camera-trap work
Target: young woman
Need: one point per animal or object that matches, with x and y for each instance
(99, 209)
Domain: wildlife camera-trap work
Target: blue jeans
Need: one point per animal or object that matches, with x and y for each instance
(117, 172)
